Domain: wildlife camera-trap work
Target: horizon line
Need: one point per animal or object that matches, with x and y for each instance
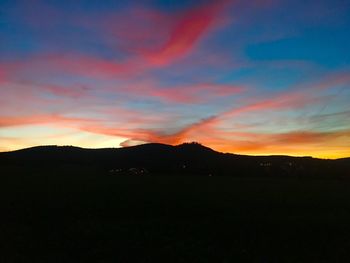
(121, 147)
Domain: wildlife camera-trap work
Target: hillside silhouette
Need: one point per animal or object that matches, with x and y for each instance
(187, 158)
(162, 203)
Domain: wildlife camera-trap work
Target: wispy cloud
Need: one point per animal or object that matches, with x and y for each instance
(189, 28)
(210, 71)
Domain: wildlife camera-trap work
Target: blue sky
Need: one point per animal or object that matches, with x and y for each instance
(264, 77)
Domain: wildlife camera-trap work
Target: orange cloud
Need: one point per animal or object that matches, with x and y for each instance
(309, 137)
(333, 144)
(8, 121)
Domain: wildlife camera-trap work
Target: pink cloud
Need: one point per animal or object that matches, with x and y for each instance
(71, 64)
(189, 29)
(83, 65)
(159, 38)
(285, 101)
(207, 126)
(2, 75)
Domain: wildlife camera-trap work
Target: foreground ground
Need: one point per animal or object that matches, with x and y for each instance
(52, 216)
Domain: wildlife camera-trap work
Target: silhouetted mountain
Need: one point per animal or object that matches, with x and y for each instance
(188, 158)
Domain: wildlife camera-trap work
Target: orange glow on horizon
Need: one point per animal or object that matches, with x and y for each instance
(304, 144)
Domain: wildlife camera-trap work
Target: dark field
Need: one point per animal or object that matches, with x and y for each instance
(92, 217)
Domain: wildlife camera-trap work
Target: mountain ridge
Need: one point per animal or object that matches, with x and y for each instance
(183, 145)
(188, 158)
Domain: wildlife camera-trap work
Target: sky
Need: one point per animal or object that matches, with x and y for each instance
(248, 77)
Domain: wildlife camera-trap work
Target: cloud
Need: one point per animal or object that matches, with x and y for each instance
(74, 92)
(189, 28)
(331, 144)
(309, 137)
(128, 143)
(159, 38)
(294, 99)
(78, 65)
(2, 75)
(183, 94)
(9, 121)
(142, 34)
(145, 74)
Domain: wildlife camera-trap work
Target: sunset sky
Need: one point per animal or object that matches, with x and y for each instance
(248, 77)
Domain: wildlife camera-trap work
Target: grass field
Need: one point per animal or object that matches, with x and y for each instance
(92, 217)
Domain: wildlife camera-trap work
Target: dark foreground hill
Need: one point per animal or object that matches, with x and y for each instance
(189, 158)
(57, 204)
